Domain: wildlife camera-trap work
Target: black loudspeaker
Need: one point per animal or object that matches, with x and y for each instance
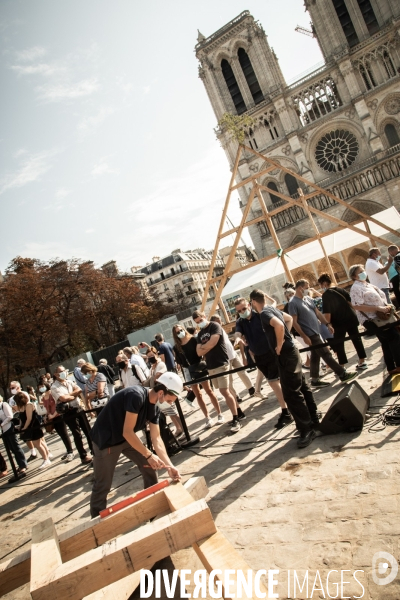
(347, 411)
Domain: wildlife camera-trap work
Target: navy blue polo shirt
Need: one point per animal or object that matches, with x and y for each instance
(254, 333)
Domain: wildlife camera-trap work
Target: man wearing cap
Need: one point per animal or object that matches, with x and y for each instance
(115, 433)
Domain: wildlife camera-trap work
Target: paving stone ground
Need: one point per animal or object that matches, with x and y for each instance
(326, 508)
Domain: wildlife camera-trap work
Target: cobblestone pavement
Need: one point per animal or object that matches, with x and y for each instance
(326, 508)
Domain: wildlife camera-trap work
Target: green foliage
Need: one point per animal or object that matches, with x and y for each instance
(235, 125)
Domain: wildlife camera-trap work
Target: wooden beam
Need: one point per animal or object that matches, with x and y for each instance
(45, 551)
(253, 177)
(323, 191)
(247, 224)
(16, 571)
(178, 496)
(221, 226)
(216, 552)
(232, 252)
(321, 243)
(125, 555)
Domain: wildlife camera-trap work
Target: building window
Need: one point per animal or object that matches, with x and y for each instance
(369, 16)
(366, 74)
(346, 22)
(316, 100)
(336, 150)
(291, 184)
(251, 78)
(272, 186)
(391, 135)
(233, 87)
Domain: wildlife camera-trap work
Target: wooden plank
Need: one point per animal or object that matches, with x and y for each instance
(122, 589)
(216, 552)
(15, 572)
(125, 555)
(45, 551)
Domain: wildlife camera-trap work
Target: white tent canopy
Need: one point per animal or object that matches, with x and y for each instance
(335, 242)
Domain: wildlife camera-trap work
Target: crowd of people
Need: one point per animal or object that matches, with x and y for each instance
(151, 376)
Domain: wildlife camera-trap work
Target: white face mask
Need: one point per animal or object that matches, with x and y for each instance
(202, 324)
(14, 391)
(42, 389)
(63, 375)
(306, 292)
(181, 335)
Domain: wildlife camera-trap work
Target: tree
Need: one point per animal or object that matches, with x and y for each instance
(52, 310)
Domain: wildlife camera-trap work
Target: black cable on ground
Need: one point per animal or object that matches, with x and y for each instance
(389, 416)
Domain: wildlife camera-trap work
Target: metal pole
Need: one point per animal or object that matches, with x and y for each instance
(190, 441)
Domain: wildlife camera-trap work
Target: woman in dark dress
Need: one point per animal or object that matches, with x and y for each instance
(186, 344)
(30, 423)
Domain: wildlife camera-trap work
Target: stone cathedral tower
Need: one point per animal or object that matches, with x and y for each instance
(338, 126)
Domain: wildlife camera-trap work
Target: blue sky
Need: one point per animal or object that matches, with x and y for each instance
(107, 149)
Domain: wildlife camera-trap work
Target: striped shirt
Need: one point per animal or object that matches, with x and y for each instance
(91, 386)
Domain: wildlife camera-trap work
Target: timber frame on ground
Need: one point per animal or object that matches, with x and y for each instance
(103, 557)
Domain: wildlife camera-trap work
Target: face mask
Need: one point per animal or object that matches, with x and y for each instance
(245, 314)
(42, 390)
(14, 391)
(181, 335)
(152, 360)
(62, 375)
(202, 324)
(362, 276)
(88, 376)
(378, 257)
(306, 292)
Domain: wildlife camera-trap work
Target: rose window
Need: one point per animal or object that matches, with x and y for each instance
(336, 150)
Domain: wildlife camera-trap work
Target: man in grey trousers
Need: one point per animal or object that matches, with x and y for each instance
(114, 433)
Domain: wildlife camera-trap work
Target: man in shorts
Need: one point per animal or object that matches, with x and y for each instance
(248, 326)
(212, 346)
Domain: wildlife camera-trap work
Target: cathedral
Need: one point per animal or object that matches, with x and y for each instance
(338, 126)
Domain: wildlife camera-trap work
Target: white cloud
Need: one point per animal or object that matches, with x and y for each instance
(146, 89)
(67, 91)
(38, 69)
(90, 124)
(31, 169)
(89, 231)
(62, 192)
(102, 168)
(31, 54)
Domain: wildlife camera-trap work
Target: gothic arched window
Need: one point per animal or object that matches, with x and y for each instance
(346, 22)
(369, 16)
(233, 87)
(251, 78)
(272, 186)
(391, 135)
(291, 184)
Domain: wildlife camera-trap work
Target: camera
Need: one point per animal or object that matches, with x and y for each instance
(63, 407)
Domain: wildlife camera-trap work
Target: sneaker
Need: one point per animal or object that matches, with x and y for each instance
(69, 456)
(64, 456)
(210, 423)
(235, 426)
(319, 384)
(86, 460)
(305, 439)
(238, 399)
(51, 455)
(348, 376)
(303, 366)
(45, 464)
(189, 403)
(220, 418)
(240, 417)
(251, 391)
(362, 367)
(258, 395)
(283, 420)
(31, 458)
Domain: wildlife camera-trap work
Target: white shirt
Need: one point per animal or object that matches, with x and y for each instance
(377, 279)
(367, 294)
(12, 402)
(128, 378)
(143, 373)
(64, 389)
(6, 414)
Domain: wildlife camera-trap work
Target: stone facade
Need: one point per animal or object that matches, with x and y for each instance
(337, 126)
(181, 277)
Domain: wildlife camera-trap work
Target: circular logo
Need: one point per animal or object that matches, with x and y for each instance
(381, 561)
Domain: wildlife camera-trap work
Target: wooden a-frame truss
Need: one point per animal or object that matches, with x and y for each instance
(256, 188)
